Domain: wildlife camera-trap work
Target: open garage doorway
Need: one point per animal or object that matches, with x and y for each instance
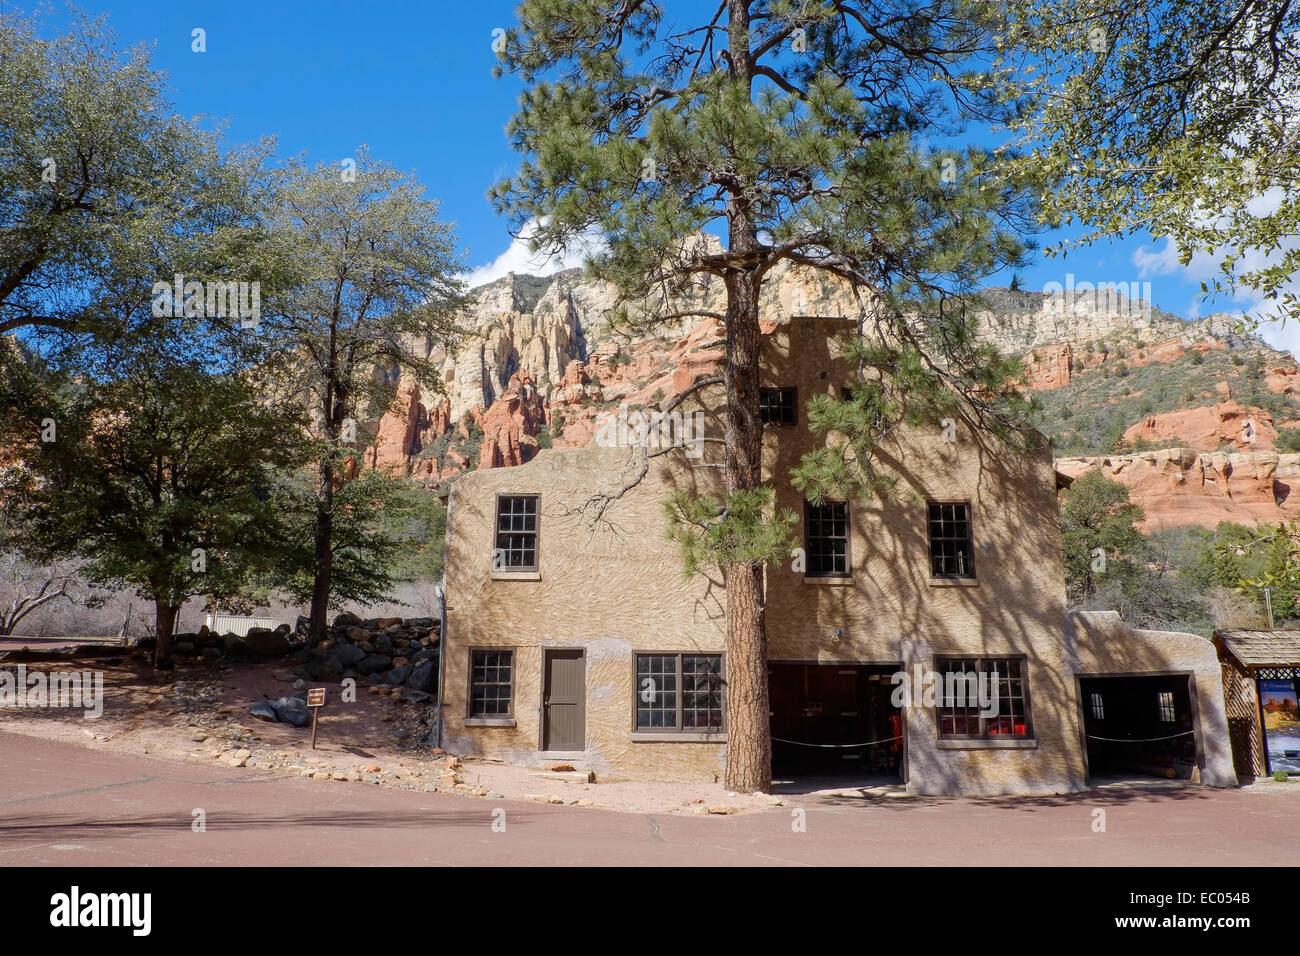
(1139, 726)
(835, 721)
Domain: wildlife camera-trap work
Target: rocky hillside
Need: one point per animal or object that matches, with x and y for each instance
(1117, 380)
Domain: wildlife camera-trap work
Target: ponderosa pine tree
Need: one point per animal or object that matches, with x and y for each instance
(790, 130)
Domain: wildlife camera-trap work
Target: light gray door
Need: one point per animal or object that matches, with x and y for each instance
(564, 701)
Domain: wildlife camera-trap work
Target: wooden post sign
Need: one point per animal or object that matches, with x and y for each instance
(315, 700)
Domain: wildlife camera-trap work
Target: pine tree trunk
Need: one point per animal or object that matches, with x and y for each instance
(749, 732)
(164, 626)
(749, 742)
(324, 563)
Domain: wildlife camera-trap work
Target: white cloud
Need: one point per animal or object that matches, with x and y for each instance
(517, 258)
(1162, 259)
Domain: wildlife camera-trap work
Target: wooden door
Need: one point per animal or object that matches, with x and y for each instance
(564, 699)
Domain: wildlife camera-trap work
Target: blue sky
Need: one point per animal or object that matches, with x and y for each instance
(413, 81)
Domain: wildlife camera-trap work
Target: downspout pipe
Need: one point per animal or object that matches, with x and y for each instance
(441, 591)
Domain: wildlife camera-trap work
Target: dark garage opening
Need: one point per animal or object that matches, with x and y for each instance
(1139, 726)
(823, 713)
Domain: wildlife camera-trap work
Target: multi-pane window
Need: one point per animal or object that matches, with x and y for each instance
(491, 680)
(952, 554)
(778, 406)
(679, 692)
(981, 697)
(1166, 701)
(516, 541)
(1098, 708)
(826, 539)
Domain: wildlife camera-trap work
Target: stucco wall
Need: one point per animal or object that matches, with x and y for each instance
(613, 590)
(1099, 643)
(893, 611)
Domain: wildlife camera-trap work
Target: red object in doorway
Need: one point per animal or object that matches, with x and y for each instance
(896, 728)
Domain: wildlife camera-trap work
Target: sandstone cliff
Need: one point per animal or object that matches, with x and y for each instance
(1181, 486)
(547, 363)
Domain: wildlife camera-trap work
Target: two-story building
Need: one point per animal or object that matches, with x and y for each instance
(568, 640)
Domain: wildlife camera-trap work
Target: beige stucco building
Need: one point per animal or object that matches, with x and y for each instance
(586, 643)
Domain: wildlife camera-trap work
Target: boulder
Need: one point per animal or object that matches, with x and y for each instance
(420, 676)
(264, 711)
(429, 653)
(303, 626)
(383, 645)
(386, 622)
(293, 710)
(212, 653)
(356, 634)
(284, 629)
(421, 622)
(324, 669)
(285, 710)
(184, 649)
(347, 619)
(373, 664)
(266, 643)
(346, 655)
(398, 674)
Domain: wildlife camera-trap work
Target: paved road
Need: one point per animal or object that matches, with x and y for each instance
(65, 805)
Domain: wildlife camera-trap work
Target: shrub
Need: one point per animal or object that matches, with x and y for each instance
(1288, 439)
(1280, 776)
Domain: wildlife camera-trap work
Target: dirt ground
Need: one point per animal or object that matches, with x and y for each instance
(199, 712)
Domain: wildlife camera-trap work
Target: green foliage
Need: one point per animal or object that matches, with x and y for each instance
(135, 193)
(151, 466)
(1165, 581)
(1175, 123)
(418, 525)
(1265, 557)
(368, 276)
(370, 542)
(1097, 516)
(742, 530)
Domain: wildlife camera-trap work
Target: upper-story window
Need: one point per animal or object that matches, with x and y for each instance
(778, 406)
(952, 552)
(826, 539)
(516, 539)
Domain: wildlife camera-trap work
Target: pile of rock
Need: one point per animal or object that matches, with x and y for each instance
(392, 650)
(258, 642)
